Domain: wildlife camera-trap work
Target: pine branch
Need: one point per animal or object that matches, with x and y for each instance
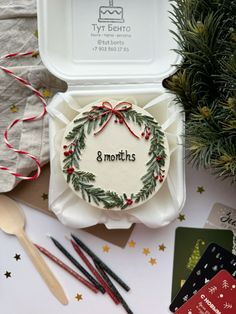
(113, 200)
(206, 81)
(146, 190)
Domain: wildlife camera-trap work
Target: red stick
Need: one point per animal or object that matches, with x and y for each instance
(95, 272)
(66, 268)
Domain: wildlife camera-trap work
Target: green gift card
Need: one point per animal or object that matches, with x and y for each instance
(190, 244)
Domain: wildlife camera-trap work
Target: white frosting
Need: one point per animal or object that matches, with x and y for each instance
(117, 176)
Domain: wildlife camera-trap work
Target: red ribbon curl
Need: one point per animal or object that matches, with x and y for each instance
(117, 111)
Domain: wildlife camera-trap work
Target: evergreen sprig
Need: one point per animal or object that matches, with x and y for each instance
(205, 82)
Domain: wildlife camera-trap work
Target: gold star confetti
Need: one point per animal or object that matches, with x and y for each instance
(46, 93)
(44, 196)
(146, 251)
(79, 297)
(106, 248)
(182, 282)
(200, 189)
(162, 247)
(36, 33)
(153, 261)
(181, 217)
(132, 243)
(7, 274)
(14, 108)
(17, 257)
(233, 37)
(35, 54)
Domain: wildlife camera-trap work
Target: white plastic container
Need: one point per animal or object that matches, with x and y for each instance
(113, 49)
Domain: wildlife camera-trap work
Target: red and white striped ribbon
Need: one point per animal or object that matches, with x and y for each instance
(33, 118)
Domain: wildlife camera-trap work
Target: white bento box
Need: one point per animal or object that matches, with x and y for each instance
(112, 49)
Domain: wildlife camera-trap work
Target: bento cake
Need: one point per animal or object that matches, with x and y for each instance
(114, 155)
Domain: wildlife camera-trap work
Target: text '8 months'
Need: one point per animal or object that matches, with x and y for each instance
(121, 156)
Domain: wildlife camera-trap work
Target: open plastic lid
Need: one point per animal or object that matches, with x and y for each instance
(106, 41)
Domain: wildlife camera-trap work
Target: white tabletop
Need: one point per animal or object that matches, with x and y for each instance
(25, 292)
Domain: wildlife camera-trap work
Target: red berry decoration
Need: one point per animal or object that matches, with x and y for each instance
(115, 121)
(70, 152)
(158, 158)
(70, 170)
(157, 177)
(143, 134)
(161, 180)
(66, 154)
(65, 146)
(121, 121)
(147, 137)
(129, 202)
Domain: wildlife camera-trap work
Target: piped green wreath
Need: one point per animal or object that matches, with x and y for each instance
(84, 181)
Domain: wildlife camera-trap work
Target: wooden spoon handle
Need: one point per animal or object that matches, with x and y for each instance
(42, 268)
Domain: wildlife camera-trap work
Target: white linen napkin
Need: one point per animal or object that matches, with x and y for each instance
(18, 33)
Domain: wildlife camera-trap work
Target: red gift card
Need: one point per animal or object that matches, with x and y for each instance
(218, 296)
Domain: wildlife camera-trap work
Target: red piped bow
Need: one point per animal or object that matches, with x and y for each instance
(117, 111)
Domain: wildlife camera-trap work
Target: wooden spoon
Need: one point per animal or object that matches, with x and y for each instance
(12, 221)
